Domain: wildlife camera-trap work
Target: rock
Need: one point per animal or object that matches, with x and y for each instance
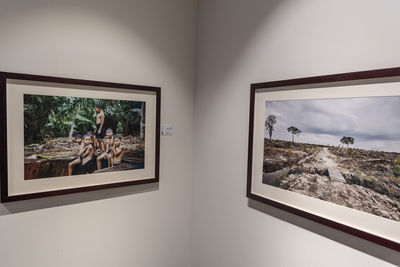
(356, 179)
(272, 177)
(335, 175)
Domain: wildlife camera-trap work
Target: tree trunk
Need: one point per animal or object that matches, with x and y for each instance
(142, 122)
(71, 132)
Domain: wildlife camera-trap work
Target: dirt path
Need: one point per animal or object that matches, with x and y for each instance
(324, 159)
(328, 160)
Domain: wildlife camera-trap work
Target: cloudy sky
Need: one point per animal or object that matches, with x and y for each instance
(374, 122)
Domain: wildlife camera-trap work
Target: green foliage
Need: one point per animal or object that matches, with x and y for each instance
(365, 177)
(123, 116)
(393, 179)
(351, 153)
(36, 113)
(370, 179)
(71, 115)
(56, 116)
(396, 170)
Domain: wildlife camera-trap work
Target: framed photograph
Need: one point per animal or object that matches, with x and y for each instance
(327, 148)
(60, 136)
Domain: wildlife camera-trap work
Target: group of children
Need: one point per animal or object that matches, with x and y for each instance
(93, 150)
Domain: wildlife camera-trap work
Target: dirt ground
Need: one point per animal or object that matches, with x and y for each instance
(66, 147)
(370, 180)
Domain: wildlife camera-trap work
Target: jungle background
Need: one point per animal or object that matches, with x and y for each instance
(51, 122)
(59, 116)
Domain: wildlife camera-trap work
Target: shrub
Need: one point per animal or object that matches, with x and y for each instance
(351, 153)
(370, 179)
(396, 170)
(363, 177)
(394, 179)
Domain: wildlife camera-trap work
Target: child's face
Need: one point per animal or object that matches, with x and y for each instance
(87, 140)
(117, 142)
(78, 140)
(109, 133)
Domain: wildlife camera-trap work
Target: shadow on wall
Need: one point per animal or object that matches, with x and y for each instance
(76, 198)
(240, 25)
(128, 40)
(99, 38)
(328, 232)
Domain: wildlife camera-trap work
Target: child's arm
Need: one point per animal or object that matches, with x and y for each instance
(101, 122)
(118, 153)
(122, 151)
(107, 146)
(89, 149)
(81, 150)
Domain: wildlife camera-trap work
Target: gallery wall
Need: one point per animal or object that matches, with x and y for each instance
(198, 215)
(244, 42)
(145, 42)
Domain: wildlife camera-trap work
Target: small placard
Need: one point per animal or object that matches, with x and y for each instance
(167, 130)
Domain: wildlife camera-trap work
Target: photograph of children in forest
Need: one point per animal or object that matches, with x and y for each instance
(66, 136)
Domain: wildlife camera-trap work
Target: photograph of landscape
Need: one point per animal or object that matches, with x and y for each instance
(345, 151)
(66, 136)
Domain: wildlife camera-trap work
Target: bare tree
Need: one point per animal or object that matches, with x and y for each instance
(294, 131)
(269, 124)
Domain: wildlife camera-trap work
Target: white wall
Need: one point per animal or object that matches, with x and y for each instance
(146, 42)
(243, 42)
(152, 42)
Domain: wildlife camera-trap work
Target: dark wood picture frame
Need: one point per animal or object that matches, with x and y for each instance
(4, 76)
(343, 79)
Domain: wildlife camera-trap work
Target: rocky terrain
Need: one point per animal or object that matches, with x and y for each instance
(51, 158)
(361, 179)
